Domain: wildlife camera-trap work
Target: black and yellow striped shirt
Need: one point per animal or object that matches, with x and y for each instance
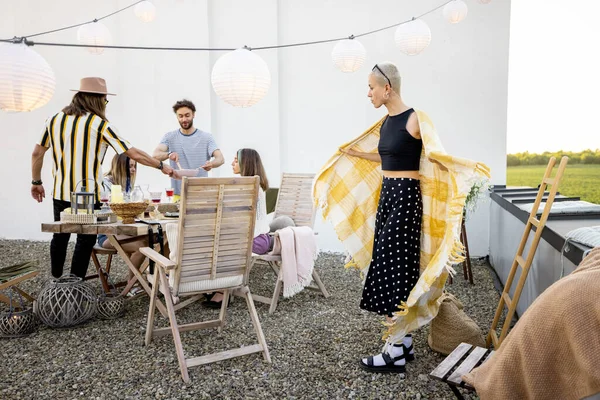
(78, 148)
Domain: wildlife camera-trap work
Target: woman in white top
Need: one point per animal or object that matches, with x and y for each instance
(247, 162)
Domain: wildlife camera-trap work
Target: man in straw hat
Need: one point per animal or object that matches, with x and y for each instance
(79, 136)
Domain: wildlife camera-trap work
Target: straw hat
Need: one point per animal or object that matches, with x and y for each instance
(93, 85)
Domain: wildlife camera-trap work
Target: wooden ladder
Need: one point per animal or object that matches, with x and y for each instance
(525, 261)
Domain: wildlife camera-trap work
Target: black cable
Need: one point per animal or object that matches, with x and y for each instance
(30, 43)
(83, 23)
(24, 39)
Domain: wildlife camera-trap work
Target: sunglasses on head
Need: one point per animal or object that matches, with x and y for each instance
(382, 73)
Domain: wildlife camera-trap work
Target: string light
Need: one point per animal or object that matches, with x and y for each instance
(241, 78)
(95, 35)
(145, 11)
(455, 11)
(413, 37)
(348, 55)
(209, 48)
(26, 80)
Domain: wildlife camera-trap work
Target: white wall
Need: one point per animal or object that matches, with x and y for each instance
(311, 108)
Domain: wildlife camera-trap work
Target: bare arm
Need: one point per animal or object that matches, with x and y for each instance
(37, 161)
(216, 162)
(218, 159)
(367, 156)
(161, 152)
(144, 158)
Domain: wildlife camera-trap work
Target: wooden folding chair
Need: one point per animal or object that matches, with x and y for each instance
(12, 276)
(294, 199)
(213, 240)
(466, 357)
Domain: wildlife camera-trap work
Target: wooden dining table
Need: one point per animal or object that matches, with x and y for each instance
(113, 231)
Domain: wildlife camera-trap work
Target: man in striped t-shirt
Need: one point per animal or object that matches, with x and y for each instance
(188, 146)
(79, 136)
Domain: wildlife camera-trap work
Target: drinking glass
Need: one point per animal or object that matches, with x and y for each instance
(155, 197)
(105, 198)
(169, 192)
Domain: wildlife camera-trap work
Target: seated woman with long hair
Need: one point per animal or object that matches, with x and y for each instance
(247, 162)
(122, 172)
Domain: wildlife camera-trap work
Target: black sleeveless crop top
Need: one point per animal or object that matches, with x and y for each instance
(399, 150)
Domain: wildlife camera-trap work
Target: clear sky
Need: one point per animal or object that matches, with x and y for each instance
(554, 75)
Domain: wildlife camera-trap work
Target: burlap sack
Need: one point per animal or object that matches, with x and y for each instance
(452, 327)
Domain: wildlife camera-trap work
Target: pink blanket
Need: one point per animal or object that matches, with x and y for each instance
(298, 249)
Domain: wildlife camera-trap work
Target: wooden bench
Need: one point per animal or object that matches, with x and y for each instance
(461, 361)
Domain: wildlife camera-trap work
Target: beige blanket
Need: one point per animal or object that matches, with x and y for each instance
(298, 249)
(553, 352)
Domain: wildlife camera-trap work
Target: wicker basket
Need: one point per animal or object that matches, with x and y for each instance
(17, 323)
(128, 211)
(65, 301)
(110, 305)
(86, 219)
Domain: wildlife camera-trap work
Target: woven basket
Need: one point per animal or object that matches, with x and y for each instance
(83, 219)
(86, 219)
(110, 305)
(452, 327)
(65, 301)
(128, 211)
(17, 323)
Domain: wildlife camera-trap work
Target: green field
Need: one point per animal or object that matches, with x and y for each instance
(581, 180)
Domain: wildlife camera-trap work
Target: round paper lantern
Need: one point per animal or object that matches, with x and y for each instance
(241, 78)
(348, 55)
(26, 80)
(455, 11)
(96, 34)
(145, 11)
(413, 37)
(484, 1)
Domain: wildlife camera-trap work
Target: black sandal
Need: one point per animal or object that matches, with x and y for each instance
(407, 350)
(387, 367)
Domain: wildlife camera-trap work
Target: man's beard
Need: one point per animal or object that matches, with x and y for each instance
(189, 124)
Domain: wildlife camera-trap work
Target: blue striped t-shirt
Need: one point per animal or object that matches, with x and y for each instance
(194, 151)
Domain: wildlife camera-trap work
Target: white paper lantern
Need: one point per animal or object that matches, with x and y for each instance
(484, 1)
(241, 78)
(348, 55)
(26, 79)
(413, 37)
(145, 11)
(455, 11)
(95, 34)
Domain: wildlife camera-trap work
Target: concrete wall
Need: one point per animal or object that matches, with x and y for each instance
(311, 108)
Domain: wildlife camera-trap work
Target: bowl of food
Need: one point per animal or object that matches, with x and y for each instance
(187, 172)
(168, 207)
(128, 211)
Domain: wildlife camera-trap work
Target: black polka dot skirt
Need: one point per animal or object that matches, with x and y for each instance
(394, 268)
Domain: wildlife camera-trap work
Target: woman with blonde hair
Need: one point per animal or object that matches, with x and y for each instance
(122, 172)
(394, 268)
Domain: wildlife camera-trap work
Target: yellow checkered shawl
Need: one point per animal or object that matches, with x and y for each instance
(347, 191)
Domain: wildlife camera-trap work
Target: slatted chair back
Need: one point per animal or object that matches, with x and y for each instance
(295, 199)
(216, 229)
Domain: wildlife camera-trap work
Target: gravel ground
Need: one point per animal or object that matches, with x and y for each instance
(315, 344)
